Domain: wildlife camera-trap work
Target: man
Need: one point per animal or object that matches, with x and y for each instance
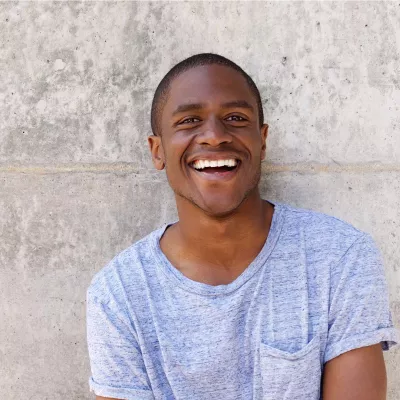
(241, 298)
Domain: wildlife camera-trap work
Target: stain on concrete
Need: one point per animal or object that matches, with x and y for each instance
(59, 64)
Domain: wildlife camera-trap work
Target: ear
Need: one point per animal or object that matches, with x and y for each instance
(157, 151)
(264, 134)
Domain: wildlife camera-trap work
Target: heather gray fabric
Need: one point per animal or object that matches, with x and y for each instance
(316, 290)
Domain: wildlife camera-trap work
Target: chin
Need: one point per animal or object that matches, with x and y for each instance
(216, 203)
(220, 206)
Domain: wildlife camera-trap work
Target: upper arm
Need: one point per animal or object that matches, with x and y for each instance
(358, 374)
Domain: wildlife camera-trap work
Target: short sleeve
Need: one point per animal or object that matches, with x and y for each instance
(359, 313)
(116, 362)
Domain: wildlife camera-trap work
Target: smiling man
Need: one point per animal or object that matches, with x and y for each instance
(241, 298)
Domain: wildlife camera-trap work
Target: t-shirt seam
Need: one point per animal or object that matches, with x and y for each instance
(98, 301)
(356, 240)
(363, 236)
(182, 286)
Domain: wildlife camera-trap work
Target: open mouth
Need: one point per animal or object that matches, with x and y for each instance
(216, 168)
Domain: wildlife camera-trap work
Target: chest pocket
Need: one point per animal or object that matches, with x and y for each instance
(291, 376)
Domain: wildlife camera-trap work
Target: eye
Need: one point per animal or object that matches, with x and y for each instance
(190, 120)
(236, 118)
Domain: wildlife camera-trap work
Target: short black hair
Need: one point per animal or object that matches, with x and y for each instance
(196, 60)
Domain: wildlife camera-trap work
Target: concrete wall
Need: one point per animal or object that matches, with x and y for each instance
(76, 181)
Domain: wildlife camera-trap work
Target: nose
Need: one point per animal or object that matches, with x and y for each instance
(213, 133)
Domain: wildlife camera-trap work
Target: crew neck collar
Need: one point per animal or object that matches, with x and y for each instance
(210, 290)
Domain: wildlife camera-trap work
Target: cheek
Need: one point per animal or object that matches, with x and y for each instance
(250, 141)
(177, 149)
(174, 158)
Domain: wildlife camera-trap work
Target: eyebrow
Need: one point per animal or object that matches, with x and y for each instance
(238, 104)
(188, 107)
(197, 106)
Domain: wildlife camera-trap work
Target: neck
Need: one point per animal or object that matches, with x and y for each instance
(223, 239)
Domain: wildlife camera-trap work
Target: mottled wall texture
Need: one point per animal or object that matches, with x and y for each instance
(76, 181)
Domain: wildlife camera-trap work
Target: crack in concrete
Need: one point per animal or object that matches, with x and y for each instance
(128, 168)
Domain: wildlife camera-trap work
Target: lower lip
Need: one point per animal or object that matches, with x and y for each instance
(217, 176)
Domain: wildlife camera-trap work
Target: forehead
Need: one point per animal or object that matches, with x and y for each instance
(209, 84)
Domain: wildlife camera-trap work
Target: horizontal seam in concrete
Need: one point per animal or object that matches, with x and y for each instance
(130, 168)
(315, 168)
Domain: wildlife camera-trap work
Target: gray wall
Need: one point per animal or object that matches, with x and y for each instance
(77, 184)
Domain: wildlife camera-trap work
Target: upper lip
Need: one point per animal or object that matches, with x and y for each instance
(213, 157)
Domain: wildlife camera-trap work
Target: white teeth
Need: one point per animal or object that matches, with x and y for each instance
(200, 164)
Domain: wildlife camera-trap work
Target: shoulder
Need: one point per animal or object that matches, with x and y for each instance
(324, 239)
(319, 222)
(125, 271)
(334, 249)
(320, 229)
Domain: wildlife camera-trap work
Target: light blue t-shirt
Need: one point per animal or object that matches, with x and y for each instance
(316, 290)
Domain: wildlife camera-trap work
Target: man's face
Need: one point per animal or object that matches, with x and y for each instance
(211, 142)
